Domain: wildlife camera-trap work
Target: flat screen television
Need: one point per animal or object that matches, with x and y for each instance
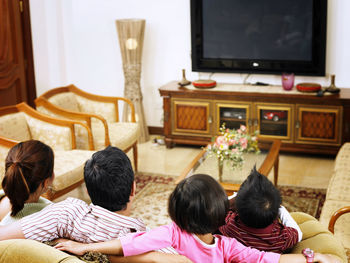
(259, 36)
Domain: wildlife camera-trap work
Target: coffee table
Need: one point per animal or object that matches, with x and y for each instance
(232, 179)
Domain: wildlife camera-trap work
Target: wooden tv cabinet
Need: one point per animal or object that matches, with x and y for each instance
(302, 121)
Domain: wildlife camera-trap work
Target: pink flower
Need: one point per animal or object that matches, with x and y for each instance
(244, 143)
(235, 150)
(232, 142)
(219, 140)
(243, 128)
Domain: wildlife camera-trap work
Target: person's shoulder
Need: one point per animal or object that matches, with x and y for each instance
(70, 203)
(224, 241)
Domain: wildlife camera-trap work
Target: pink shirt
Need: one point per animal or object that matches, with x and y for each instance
(74, 219)
(223, 250)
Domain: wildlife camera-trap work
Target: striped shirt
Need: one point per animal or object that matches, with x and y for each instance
(273, 238)
(74, 219)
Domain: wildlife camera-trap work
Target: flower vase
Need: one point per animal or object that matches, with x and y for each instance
(221, 167)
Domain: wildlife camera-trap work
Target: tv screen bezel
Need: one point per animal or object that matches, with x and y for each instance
(257, 66)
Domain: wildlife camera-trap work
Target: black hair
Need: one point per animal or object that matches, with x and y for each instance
(28, 164)
(258, 201)
(198, 204)
(109, 178)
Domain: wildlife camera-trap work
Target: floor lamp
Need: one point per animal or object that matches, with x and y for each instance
(130, 33)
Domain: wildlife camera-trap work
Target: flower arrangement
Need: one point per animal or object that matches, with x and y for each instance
(231, 145)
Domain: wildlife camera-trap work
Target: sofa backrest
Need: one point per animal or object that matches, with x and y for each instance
(65, 100)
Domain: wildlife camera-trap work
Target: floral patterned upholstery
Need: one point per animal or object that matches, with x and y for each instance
(65, 100)
(59, 138)
(104, 109)
(14, 126)
(69, 167)
(80, 132)
(338, 196)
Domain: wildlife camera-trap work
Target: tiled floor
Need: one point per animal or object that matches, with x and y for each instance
(299, 170)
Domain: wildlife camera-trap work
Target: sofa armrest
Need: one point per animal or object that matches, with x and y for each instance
(335, 217)
(26, 250)
(317, 237)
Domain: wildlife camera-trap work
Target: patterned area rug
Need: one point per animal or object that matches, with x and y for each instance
(153, 191)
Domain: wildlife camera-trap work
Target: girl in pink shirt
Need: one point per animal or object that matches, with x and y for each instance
(198, 207)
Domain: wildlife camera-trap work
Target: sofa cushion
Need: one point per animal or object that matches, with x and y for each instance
(317, 237)
(25, 250)
(121, 134)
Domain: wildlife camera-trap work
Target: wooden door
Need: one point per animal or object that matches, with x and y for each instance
(16, 59)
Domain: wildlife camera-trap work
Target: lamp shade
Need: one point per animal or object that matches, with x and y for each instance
(130, 34)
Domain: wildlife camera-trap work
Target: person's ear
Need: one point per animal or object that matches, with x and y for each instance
(133, 189)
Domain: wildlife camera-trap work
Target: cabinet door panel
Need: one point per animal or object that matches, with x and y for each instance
(191, 117)
(274, 121)
(319, 124)
(232, 115)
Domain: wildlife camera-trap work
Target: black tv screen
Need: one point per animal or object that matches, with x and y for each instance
(259, 36)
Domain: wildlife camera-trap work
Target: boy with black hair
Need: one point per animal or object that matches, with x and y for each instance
(258, 220)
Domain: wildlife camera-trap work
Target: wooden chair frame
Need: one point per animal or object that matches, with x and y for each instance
(23, 107)
(7, 142)
(43, 100)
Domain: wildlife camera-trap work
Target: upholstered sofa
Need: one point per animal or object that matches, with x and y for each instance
(335, 212)
(315, 236)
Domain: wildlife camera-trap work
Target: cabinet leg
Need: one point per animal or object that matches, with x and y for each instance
(169, 143)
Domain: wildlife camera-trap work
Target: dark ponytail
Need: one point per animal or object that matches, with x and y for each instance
(27, 165)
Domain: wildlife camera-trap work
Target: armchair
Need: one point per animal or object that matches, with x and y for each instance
(99, 113)
(21, 122)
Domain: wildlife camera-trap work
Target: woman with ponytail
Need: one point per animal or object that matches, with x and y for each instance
(28, 174)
